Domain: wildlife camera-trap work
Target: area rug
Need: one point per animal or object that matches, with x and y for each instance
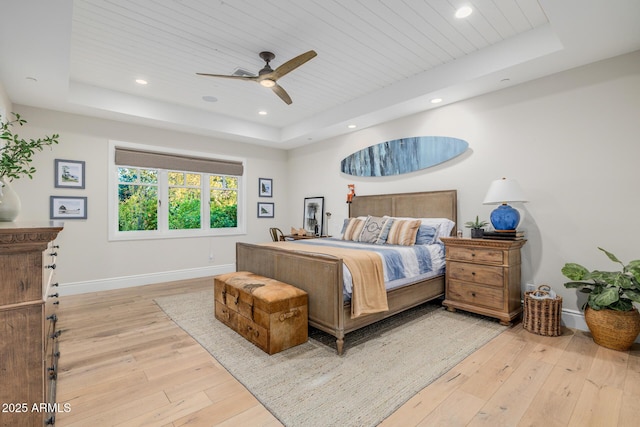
(382, 367)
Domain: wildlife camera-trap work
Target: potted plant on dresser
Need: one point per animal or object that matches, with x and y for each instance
(477, 227)
(16, 154)
(613, 320)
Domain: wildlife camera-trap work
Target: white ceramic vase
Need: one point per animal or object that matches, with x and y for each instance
(9, 201)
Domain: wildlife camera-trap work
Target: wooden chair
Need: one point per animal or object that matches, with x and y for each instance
(276, 234)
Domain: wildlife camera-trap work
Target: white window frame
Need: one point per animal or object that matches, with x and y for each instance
(163, 232)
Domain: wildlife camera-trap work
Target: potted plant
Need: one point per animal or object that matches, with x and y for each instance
(477, 227)
(15, 161)
(609, 312)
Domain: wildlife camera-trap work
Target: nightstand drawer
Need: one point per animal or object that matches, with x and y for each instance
(483, 274)
(485, 296)
(479, 255)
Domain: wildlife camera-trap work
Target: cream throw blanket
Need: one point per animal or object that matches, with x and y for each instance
(369, 295)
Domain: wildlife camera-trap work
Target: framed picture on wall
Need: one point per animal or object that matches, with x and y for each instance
(69, 174)
(61, 207)
(265, 187)
(265, 210)
(313, 214)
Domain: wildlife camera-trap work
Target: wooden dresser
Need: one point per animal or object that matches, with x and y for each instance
(28, 334)
(483, 276)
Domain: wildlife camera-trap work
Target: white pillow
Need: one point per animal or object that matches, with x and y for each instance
(443, 225)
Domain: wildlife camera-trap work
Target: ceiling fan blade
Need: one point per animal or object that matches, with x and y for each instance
(292, 64)
(282, 94)
(225, 76)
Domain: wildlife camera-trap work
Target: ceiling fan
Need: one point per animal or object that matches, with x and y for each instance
(268, 77)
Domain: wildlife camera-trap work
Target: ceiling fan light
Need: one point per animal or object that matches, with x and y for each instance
(267, 83)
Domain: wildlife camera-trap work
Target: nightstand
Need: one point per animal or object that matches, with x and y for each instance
(483, 276)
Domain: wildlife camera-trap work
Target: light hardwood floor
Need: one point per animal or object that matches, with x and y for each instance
(125, 363)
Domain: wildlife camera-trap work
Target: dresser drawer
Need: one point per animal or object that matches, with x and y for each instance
(21, 277)
(476, 295)
(482, 274)
(479, 255)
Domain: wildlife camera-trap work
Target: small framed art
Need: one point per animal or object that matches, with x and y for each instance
(265, 187)
(265, 210)
(313, 212)
(69, 174)
(67, 207)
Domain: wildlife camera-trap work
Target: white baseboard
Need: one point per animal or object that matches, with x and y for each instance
(142, 279)
(574, 319)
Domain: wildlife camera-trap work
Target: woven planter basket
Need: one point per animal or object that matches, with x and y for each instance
(542, 316)
(613, 329)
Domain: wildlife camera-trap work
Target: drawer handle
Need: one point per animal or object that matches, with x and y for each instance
(53, 254)
(56, 295)
(256, 332)
(292, 313)
(473, 294)
(50, 421)
(473, 273)
(53, 318)
(52, 266)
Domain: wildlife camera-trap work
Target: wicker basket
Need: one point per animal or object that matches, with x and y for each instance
(542, 316)
(613, 329)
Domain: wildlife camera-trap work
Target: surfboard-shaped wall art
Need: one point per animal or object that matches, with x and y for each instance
(402, 155)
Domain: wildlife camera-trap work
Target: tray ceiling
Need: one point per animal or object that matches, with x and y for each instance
(377, 60)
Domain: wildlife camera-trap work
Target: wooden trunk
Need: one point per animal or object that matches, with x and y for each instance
(269, 313)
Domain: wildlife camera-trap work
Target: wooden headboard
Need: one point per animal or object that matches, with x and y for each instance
(427, 204)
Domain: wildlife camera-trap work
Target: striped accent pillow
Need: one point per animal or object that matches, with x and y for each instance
(403, 232)
(353, 229)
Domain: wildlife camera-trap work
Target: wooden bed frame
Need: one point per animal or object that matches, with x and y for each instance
(321, 275)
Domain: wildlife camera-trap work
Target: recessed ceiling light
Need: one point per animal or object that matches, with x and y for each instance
(351, 126)
(262, 113)
(436, 100)
(141, 81)
(209, 98)
(463, 12)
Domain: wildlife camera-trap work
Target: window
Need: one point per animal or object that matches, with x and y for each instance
(173, 194)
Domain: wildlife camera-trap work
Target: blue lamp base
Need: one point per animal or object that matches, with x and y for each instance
(505, 218)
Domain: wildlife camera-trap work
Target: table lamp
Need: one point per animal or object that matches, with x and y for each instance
(502, 191)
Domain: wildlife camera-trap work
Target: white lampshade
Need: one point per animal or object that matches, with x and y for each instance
(504, 190)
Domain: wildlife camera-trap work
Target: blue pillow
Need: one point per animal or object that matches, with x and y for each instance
(426, 235)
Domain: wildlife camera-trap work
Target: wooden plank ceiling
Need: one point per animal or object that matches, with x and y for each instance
(363, 46)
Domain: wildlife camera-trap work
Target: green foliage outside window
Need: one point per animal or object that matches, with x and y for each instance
(138, 200)
(224, 201)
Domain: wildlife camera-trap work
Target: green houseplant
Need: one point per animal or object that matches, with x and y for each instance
(477, 227)
(610, 314)
(16, 155)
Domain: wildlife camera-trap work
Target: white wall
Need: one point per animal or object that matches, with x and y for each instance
(571, 140)
(5, 104)
(87, 260)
